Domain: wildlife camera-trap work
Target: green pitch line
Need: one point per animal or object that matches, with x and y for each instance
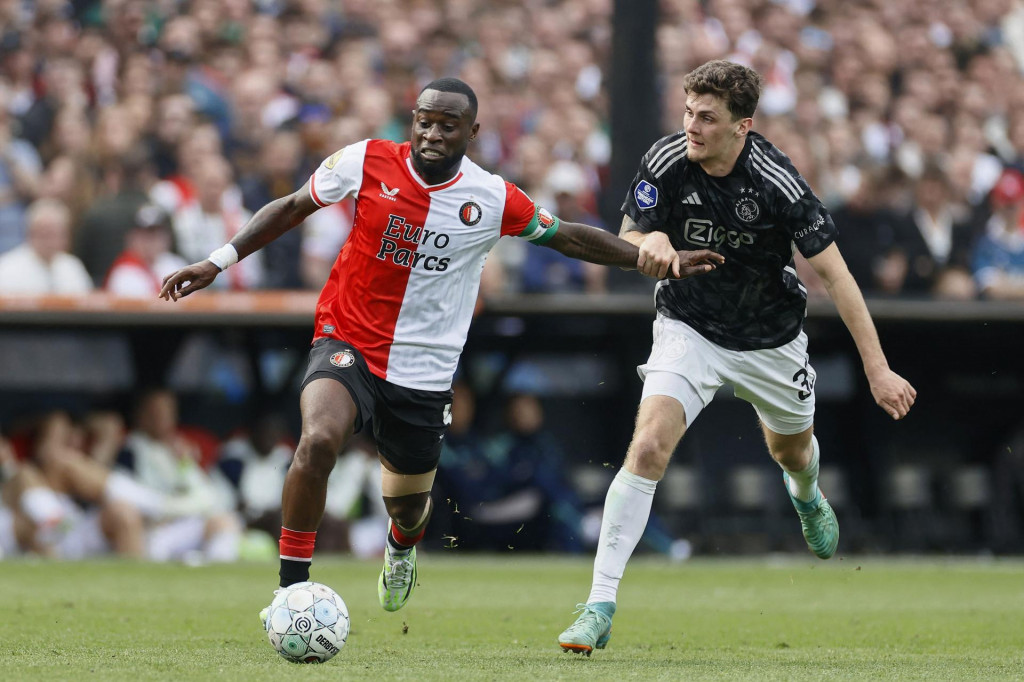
(481, 618)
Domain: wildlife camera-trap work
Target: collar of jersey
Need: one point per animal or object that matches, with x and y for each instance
(741, 160)
(419, 181)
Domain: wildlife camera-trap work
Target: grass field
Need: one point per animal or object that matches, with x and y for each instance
(497, 618)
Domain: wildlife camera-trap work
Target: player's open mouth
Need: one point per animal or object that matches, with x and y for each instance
(431, 154)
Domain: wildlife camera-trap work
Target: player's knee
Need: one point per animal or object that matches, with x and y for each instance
(406, 511)
(791, 456)
(649, 454)
(318, 450)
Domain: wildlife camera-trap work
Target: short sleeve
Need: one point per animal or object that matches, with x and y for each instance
(809, 225)
(648, 203)
(339, 176)
(525, 219)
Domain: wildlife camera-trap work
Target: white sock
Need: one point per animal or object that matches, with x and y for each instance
(121, 488)
(41, 505)
(626, 509)
(803, 485)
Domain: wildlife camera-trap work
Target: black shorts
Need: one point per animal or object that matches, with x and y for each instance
(408, 424)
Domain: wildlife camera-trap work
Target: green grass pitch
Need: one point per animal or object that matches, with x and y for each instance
(497, 618)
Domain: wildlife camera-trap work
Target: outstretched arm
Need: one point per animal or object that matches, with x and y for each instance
(892, 393)
(269, 223)
(594, 245)
(657, 257)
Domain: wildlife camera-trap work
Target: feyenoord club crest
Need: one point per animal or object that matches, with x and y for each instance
(545, 218)
(470, 213)
(747, 209)
(343, 359)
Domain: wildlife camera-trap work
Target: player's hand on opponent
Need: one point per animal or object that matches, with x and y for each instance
(692, 263)
(659, 259)
(892, 393)
(191, 278)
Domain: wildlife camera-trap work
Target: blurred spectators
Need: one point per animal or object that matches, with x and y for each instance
(258, 93)
(566, 194)
(999, 257)
(280, 171)
(933, 242)
(20, 170)
(42, 264)
(63, 498)
(210, 219)
(867, 237)
(355, 518)
(507, 491)
(140, 269)
(255, 463)
(100, 236)
(161, 457)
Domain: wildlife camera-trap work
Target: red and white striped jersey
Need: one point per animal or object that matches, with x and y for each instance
(404, 286)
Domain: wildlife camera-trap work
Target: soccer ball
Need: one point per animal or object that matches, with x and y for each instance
(308, 623)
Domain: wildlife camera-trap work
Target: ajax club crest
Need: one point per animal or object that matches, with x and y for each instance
(747, 209)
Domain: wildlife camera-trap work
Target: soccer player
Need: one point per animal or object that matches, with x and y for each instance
(718, 185)
(392, 319)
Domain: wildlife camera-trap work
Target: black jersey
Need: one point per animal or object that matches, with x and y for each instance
(757, 216)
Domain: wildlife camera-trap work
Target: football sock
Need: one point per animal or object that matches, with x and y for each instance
(296, 555)
(402, 539)
(803, 485)
(400, 542)
(626, 510)
(121, 488)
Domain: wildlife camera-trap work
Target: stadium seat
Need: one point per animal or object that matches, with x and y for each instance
(680, 489)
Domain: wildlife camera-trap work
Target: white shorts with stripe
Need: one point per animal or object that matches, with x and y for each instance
(778, 382)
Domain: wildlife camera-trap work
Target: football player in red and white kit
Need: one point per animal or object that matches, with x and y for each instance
(392, 319)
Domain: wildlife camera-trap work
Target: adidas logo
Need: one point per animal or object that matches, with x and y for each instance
(693, 200)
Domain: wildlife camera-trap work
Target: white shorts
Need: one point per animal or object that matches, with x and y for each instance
(778, 382)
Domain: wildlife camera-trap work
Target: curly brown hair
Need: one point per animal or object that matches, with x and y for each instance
(738, 85)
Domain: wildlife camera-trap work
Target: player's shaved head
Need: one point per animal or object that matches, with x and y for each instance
(457, 86)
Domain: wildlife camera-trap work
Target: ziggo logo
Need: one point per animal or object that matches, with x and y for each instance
(703, 233)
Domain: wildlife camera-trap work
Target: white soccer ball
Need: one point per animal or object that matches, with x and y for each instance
(308, 623)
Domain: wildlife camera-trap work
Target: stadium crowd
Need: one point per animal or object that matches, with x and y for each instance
(139, 135)
(904, 117)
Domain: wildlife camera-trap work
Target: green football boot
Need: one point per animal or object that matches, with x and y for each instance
(818, 522)
(592, 629)
(398, 577)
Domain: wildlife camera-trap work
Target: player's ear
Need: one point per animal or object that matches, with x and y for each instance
(473, 131)
(743, 126)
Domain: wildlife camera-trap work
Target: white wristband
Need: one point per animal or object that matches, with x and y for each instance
(224, 257)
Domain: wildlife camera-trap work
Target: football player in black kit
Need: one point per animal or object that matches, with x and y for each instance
(718, 185)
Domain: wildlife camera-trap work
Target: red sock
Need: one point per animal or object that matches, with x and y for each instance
(297, 545)
(404, 540)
